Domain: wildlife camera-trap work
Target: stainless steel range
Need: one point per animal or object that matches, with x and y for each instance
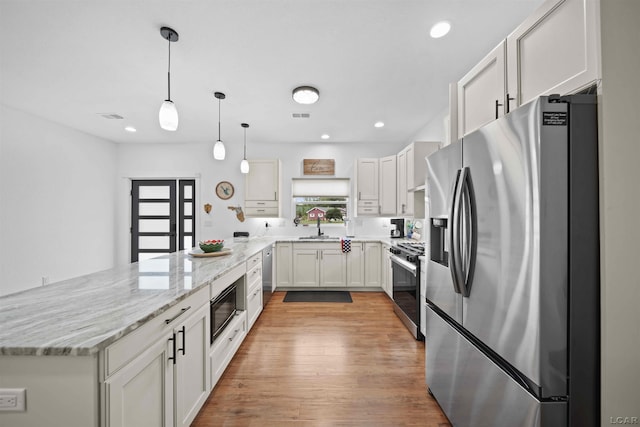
(405, 266)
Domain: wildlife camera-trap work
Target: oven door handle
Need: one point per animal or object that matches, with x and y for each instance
(413, 269)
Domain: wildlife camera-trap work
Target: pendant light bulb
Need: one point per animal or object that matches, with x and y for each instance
(168, 114)
(244, 164)
(219, 151)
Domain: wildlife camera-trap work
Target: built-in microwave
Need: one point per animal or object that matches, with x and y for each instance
(223, 308)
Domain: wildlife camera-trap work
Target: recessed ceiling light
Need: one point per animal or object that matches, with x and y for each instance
(130, 129)
(379, 124)
(306, 95)
(440, 29)
(324, 136)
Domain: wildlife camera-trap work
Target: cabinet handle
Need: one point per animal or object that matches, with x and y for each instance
(359, 195)
(261, 203)
(183, 331)
(234, 335)
(509, 99)
(260, 210)
(183, 311)
(173, 348)
(497, 105)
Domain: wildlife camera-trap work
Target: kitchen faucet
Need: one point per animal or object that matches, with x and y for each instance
(320, 233)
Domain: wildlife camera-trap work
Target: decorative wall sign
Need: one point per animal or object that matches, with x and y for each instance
(207, 207)
(318, 166)
(224, 190)
(238, 211)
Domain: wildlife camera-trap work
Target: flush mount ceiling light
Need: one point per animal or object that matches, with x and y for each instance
(378, 124)
(168, 115)
(440, 29)
(130, 129)
(244, 164)
(306, 95)
(325, 136)
(218, 149)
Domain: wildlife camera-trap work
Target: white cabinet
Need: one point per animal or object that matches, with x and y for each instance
(226, 344)
(411, 176)
(158, 375)
(191, 366)
(355, 265)
(254, 288)
(284, 265)
(386, 270)
(481, 92)
(141, 393)
(318, 265)
(555, 50)
(372, 269)
(262, 188)
(388, 185)
(367, 181)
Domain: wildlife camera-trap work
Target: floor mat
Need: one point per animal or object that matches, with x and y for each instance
(317, 296)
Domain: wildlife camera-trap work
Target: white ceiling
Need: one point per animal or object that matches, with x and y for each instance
(68, 60)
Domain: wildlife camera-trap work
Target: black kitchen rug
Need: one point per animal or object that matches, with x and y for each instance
(317, 296)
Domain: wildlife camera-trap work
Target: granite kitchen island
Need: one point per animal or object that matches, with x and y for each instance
(70, 344)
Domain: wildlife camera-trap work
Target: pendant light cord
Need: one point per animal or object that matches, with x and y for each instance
(219, 120)
(245, 143)
(169, 72)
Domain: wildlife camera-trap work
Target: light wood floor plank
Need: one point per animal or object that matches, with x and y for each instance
(325, 364)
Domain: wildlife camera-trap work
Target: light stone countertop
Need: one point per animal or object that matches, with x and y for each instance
(83, 315)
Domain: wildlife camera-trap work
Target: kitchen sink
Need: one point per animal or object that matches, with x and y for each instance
(319, 238)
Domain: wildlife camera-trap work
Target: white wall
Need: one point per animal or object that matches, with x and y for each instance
(196, 161)
(56, 202)
(620, 205)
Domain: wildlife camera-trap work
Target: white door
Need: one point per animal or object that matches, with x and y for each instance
(367, 179)
(355, 265)
(305, 267)
(388, 185)
(261, 183)
(332, 268)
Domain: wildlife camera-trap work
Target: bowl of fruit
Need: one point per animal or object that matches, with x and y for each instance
(211, 245)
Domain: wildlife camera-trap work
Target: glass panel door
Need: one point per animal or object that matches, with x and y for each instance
(153, 218)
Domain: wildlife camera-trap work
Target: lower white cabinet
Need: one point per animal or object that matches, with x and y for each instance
(226, 345)
(372, 269)
(355, 265)
(254, 301)
(387, 284)
(318, 265)
(141, 393)
(168, 382)
(284, 264)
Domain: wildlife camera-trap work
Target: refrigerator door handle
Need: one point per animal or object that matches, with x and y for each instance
(455, 253)
(469, 232)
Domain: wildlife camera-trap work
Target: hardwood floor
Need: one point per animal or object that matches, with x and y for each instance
(325, 364)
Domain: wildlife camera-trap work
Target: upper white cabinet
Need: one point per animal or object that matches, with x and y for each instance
(262, 188)
(411, 176)
(388, 185)
(481, 92)
(367, 173)
(554, 51)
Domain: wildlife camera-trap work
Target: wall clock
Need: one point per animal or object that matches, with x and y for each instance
(224, 190)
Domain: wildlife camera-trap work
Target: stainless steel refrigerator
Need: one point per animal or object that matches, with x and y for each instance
(513, 324)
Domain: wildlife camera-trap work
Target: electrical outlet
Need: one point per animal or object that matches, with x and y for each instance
(13, 399)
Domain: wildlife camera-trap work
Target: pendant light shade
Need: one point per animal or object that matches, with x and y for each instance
(244, 164)
(219, 151)
(168, 115)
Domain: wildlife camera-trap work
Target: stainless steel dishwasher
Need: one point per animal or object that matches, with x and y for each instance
(267, 274)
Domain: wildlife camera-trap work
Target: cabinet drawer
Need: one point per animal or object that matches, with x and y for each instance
(226, 345)
(367, 211)
(269, 212)
(261, 204)
(254, 303)
(254, 260)
(367, 203)
(128, 347)
(254, 275)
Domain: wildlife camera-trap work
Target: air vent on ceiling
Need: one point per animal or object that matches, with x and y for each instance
(111, 116)
(301, 115)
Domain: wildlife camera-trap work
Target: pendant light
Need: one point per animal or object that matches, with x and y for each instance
(168, 115)
(218, 149)
(244, 164)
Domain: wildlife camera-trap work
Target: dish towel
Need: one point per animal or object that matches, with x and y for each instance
(346, 245)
